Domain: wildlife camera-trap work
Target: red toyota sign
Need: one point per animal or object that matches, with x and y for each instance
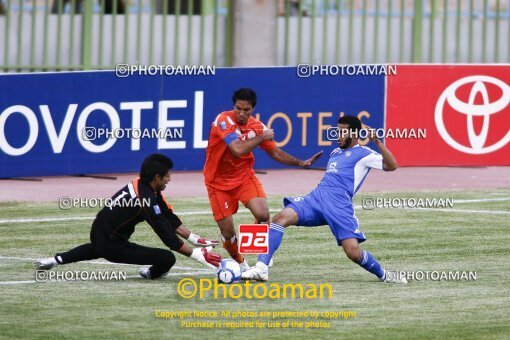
(465, 111)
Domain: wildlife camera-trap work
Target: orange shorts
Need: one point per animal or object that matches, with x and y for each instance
(226, 203)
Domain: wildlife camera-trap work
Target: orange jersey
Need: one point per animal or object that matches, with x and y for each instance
(223, 170)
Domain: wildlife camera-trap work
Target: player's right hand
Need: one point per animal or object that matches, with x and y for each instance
(206, 257)
(211, 258)
(311, 160)
(268, 134)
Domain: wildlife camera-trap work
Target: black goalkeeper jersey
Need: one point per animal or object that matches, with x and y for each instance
(134, 203)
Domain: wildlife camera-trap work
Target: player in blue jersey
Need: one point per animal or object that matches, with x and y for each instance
(331, 202)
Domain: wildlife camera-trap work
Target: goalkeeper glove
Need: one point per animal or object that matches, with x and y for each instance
(198, 241)
(206, 256)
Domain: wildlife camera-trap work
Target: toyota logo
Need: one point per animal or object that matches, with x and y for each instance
(470, 109)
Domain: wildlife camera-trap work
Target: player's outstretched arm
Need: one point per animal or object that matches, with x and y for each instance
(241, 147)
(195, 239)
(389, 162)
(282, 157)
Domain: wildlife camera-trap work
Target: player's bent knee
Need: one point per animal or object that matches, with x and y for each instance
(279, 219)
(171, 259)
(228, 235)
(166, 261)
(263, 218)
(227, 229)
(285, 218)
(353, 253)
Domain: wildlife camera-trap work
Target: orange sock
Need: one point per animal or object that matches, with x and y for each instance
(231, 247)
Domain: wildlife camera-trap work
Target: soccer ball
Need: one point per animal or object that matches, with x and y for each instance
(229, 271)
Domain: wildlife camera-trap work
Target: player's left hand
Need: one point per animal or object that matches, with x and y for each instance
(199, 241)
(202, 242)
(311, 160)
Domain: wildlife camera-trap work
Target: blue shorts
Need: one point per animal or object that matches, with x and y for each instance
(320, 208)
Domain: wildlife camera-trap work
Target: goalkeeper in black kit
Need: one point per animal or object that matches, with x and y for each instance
(138, 201)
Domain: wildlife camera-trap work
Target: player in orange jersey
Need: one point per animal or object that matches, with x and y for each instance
(228, 170)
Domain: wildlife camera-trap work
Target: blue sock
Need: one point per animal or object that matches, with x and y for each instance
(370, 263)
(275, 239)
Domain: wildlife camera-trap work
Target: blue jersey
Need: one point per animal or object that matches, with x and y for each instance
(331, 201)
(347, 169)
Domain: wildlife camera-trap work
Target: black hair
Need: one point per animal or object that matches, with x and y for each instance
(245, 94)
(155, 164)
(352, 121)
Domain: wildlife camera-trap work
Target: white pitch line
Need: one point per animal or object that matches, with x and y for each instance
(467, 211)
(80, 218)
(5, 283)
(53, 219)
(462, 210)
(245, 211)
(480, 200)
(99, 262)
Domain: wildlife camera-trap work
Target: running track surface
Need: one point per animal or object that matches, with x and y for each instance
(276, 182)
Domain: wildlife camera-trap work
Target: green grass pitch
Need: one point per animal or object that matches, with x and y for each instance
(471, 236)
